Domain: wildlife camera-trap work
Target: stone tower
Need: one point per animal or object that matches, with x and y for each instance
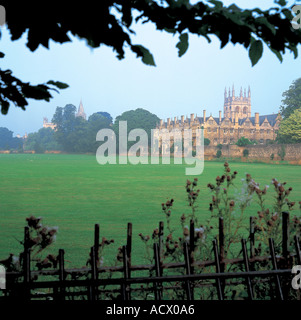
(239, 106)
(81, 111)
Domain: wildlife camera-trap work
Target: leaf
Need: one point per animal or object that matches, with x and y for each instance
(255, 51)
(182, 45)
(58, 84)
(144, 53)
(2, 55)
(278, 54)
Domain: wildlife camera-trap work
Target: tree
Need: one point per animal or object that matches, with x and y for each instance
(41, 141)
(75, 134)
(7, 141)
(290, 128)
(68, 129)
(243, 142)
(292, 99)
(137, 119)
(110, 23)
(96, 122)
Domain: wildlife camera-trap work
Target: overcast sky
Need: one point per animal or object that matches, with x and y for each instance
(175, 87)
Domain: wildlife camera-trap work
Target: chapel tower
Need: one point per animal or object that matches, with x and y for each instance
(237, 105)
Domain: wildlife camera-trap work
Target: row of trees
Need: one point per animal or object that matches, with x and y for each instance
(77, 135)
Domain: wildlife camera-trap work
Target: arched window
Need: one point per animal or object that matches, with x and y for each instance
(245, 110)
(237, 109)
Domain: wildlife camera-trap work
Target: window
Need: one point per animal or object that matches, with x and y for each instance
(225, 130)
(261, 141)
(208, 129)
(225, 141)
(231, 130)
(210, 121)
(261, 131)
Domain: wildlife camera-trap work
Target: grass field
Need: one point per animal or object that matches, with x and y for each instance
(74, 192)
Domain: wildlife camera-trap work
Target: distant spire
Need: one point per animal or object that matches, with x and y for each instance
(81, 111)
(245, 92)
(241, 91)
(233, 91)
(225, 92)
(249, 92)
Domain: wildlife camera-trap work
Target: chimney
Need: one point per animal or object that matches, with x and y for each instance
(168, 122)
(175, 120)
(192, 117)
(204, 115)
(220, 116)
(182, 119)
(256, 118)
(161, 123)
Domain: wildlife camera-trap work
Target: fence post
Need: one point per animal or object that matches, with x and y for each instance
(252, 237)
(96, 241)
(285, 237)
(188, 271)
(218, 270)
(62, 274)
(157, 291)
(94, 275)
(129, 244)
(246, 261)
(125, 288)
(274, 262)
(161, 239)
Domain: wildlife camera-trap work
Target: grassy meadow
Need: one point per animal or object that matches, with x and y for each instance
(74, 192)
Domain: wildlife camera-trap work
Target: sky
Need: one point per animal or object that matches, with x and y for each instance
(175, 87)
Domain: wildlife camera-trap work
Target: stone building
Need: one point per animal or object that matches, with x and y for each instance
(47, 124)
(235, 123)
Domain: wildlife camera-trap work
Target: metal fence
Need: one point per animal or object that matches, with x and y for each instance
(88, 283)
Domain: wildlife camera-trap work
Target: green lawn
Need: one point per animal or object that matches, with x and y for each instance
(74, 192)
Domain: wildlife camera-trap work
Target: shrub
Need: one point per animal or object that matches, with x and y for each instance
(218, 153)
(245, 153)
(206, 142)
(282, 152)
(243, 142)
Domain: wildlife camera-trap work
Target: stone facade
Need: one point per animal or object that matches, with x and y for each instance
(235, 123)
(47, 124)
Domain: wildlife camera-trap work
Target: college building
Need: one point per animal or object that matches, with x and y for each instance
(235, 123)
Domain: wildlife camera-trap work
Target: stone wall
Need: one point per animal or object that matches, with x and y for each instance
(257, 152)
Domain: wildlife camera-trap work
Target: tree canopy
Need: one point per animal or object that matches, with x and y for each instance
(290, 128)
(111, 22)
(292, 99)
(76, 134)
(7, 141)
(137, 119)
